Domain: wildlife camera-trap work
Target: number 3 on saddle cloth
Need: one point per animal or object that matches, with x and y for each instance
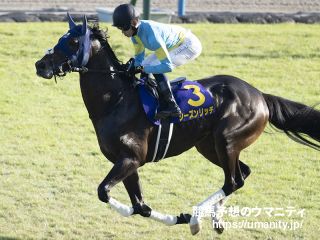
(194, 101)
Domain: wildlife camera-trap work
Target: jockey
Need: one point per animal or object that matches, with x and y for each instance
(172, 45)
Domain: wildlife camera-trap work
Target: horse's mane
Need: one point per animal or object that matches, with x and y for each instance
(102, 36)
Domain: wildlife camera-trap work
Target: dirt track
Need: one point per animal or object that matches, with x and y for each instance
(284, 6)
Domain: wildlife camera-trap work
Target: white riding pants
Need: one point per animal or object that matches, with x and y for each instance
(189, 49)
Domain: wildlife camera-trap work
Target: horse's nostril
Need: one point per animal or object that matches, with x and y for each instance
(40, 65)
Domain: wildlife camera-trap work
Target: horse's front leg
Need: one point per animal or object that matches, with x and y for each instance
(133, 187)
(121, 170)
(126, 170)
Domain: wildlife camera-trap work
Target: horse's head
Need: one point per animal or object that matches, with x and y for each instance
(72, 51)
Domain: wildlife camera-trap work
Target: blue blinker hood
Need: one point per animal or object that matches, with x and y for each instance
(80, 56)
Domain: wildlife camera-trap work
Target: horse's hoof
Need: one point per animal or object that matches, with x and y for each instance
(217, 226)
(219, 230)
(195, 229)
(195, 225)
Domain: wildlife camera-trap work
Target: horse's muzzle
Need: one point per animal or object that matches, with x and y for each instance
(43, 70)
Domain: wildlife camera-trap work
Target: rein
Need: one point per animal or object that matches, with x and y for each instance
(67, 67)
(85, 70)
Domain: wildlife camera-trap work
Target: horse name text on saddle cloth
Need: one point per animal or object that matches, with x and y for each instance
(193, 99)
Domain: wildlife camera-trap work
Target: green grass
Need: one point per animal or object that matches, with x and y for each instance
(51, 164)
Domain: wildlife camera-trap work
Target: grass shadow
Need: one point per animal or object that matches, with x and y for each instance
(270, 55)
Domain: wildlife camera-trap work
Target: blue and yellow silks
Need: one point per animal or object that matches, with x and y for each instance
(160, 38)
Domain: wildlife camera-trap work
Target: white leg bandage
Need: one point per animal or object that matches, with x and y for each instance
(206, 205)
(123, 209)
(163, 218)
(127, 211)
(220, 204)
(216, 216)
(213, 199)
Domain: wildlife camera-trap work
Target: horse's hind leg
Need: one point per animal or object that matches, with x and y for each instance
(232, 134)
(207, 149)
(228, 145)
(245, 170)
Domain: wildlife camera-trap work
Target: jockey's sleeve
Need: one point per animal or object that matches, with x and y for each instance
(139, 50)
(158, 45)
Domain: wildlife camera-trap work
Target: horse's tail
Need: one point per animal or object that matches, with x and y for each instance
(294, 119)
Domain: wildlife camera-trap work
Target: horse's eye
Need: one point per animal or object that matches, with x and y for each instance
(74, 44)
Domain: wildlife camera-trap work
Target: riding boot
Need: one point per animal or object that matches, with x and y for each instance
(171, 109)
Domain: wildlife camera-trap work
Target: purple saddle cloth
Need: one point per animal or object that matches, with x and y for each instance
(193, 99)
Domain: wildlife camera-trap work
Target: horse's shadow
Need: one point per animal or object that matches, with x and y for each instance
(8, 238)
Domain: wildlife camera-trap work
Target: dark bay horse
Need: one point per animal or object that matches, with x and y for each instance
(127, 138)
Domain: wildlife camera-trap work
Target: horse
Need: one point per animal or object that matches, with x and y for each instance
(127, 138)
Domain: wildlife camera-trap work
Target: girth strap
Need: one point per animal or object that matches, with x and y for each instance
(164, 135)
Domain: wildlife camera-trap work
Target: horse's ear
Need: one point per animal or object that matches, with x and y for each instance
(84, 24)
(72, 24)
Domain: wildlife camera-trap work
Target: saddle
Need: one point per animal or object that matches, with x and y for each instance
(194, 100)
